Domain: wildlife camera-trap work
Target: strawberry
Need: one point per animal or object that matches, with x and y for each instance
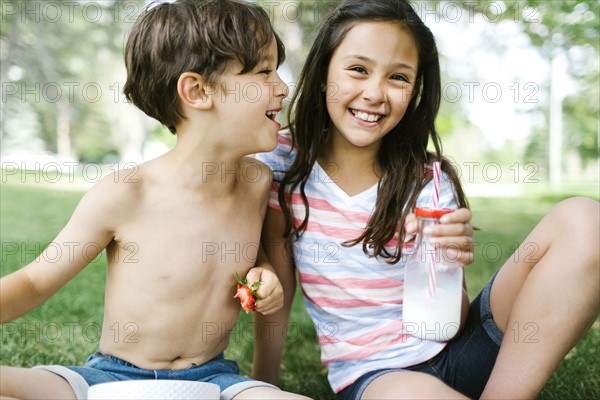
(247, 294)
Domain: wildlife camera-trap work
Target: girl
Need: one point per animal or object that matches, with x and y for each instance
(348, 174)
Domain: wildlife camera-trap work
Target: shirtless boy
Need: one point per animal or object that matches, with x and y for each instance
(207, 70)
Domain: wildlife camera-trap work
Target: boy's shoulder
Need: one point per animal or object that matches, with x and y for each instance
(282, 157)
(105, 206)
(117, 189)
(122, 181)
(255, 172)
(256, 177)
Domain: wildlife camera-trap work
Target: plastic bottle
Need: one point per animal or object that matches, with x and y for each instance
(432, 304)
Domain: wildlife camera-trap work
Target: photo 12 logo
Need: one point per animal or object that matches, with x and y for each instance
(54, 92)
(467, 11)
(91, 12)
(65, 171)
(51, 332)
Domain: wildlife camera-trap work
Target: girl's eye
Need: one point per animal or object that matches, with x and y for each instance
(399, 78)
(360, 70)
(266, 71)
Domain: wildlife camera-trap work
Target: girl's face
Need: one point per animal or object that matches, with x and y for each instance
(370, 82)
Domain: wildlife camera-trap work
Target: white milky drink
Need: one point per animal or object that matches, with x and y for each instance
(434, 317)
(431, 305)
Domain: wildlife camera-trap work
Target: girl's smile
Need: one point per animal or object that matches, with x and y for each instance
(370, 82)
(366, 116)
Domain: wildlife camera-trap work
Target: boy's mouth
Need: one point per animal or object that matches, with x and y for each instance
(367, 117)
(272, 114)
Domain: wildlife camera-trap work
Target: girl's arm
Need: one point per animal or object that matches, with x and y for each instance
(271, 330)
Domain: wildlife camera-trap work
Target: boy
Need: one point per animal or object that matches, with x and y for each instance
(207, 70)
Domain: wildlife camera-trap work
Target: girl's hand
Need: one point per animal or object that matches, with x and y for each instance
(270, 290)
(454, 234)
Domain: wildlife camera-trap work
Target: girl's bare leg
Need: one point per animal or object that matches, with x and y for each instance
(409, 385)
(265, 393)
(545, 297)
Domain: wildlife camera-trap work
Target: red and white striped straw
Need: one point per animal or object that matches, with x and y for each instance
(432, 279)
(435, 200)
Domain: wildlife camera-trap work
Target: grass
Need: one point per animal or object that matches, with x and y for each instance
(66, 329)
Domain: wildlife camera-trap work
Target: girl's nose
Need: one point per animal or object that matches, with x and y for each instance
(373, 91)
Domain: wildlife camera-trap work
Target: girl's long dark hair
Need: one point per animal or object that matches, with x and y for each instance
(403, 153)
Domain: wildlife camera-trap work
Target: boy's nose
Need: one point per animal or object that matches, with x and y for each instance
(280, 88)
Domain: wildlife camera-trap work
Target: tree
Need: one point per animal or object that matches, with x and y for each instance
(559, 28)
(61, 58)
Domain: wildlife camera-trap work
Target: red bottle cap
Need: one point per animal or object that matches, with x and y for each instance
(432, 212)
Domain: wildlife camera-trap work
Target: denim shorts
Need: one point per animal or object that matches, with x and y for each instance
(466, 362)
(102, 368)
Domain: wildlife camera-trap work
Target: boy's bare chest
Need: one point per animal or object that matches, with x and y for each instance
(190, 234)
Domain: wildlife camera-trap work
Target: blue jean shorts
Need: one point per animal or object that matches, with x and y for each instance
(466, 362)
(102, 368)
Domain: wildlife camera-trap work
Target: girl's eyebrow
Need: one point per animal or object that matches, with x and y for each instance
(367, 59)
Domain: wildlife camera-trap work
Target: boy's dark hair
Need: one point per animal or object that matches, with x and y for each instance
(403, 153)
(199, 36)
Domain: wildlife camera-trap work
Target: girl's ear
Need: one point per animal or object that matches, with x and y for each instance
(194, 91)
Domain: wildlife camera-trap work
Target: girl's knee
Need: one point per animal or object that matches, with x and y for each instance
(578, 220)
(580, 213)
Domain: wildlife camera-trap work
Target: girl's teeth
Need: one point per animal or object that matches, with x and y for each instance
(366, 117)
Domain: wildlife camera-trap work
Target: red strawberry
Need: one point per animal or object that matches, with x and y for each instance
(247, 294)
(246, 299)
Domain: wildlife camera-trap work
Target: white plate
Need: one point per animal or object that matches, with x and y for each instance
(154, 390)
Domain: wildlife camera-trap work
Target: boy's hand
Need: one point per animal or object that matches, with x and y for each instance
(454, 234)
(269, 291)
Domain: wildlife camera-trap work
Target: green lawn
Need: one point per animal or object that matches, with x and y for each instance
(65, 330)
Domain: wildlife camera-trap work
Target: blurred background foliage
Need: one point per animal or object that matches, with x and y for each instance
(62, 76)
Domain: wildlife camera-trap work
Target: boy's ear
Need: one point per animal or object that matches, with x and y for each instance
(194, 91)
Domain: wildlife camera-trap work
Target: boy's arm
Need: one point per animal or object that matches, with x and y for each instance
(270, 291)
(86, 234)
(271, 330)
